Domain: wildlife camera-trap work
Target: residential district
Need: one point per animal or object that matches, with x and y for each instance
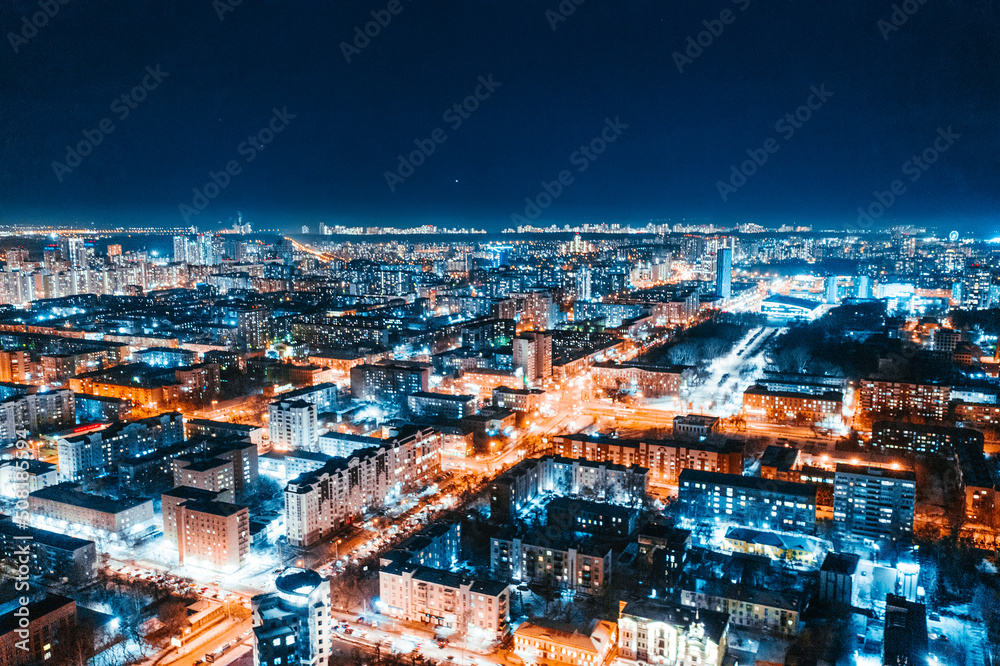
(677, 446)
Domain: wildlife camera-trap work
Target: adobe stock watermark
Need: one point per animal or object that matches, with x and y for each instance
(363, 35)
(901, 13)
(48, 9)
(913, 169)
(455, 116)
(695, 45)
(223, 7)
(247, 149)
(581, 158)
(562, 12)
(786, 126)
(122, 107)
(21, 554)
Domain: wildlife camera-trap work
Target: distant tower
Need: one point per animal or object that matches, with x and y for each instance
(863, 286)
(724, 272)
(831, 289)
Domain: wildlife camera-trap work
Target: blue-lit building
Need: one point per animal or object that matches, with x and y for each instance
(292, 624)
(724, 272)
(788, 307)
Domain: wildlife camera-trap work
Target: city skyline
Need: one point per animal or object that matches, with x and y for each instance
(829, 105)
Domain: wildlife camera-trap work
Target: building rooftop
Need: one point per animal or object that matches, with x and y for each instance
(202, 465)
(69, 493)
(862, 470)
(36, 610)
(594, 638)
(781, 458)
(45, 537)
(224, 509)
(841, 563)
(748, 482)
(447, 397)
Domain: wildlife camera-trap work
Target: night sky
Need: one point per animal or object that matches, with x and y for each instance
(892, 88)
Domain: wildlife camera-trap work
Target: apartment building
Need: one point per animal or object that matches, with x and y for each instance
(50, 555)
(897, 436)
(747, 606)
(884, 397)
(213, 535)
(517, 399)
(664, 458)
(65, 503)
(213, 474)
(389, 381)
(650, 381)
(766, 503)
(293, 425)
(761, 403)
(475, 607)
(327, 498)
(583, 566)
(874, 503)
(514, 489)
(50, 624)
(443, 405)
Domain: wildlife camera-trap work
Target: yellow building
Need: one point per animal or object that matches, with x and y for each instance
(771, 544)
(542, 641)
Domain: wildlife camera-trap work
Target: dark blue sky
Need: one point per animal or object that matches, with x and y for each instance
(609, 59)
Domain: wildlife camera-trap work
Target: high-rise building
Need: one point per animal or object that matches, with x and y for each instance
(583, 282)
(292, 625)
(532, 352)
(181, 250)
(293, 425)
(724, 272)
(874, 503)
(213, 535)
(830, 290)
(862, 286)
(389, 381)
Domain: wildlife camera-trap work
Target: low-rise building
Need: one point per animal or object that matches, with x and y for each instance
(51, 555)
(695, 426)
(442, 405)
(651, 632)
(66, 504)
(774, 545)
(517, 399)
(543, 641)
(747, 606)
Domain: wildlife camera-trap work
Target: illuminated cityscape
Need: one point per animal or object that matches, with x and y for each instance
(500, 334)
